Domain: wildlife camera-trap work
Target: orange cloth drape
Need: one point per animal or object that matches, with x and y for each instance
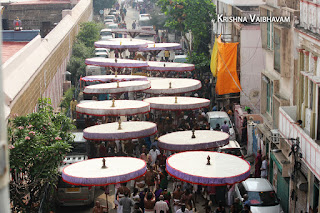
(227, 78)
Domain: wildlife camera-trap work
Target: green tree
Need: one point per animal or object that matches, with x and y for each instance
(101, 4)
(89, 33)
(38, 143)
(193, 16)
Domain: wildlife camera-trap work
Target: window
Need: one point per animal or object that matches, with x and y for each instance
(269, 97)
(276, 55)
(269, 33)
(268, 198)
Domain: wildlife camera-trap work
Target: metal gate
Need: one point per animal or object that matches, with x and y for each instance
(283, 191)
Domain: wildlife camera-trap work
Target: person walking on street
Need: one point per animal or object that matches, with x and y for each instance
(134, 24)
(161, 205)
(258, 163)
(126, 202)
(225, 127)
(166, 55)
(73, 104)
(264, 167)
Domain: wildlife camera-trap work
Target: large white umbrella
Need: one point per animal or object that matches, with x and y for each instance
(193, 140)
(208, 168)
(156, 48)
(120, 131)
(110, 78)
(113, 108)
(117, 87)
(104, 171)
(177, 103)
(169, 66)
(173, 86)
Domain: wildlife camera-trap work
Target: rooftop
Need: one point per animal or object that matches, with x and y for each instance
(9, 48)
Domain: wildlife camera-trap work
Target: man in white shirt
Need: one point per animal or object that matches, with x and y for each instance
(161, 205)
(154, 154)
(183, 209)
(264, 168)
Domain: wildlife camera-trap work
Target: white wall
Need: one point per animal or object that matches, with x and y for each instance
(251, 64)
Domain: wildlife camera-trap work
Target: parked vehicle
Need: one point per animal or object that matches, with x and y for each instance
(180, 59)
(113, 12)
(261, 195)
(106, 34)
(232, 148)
(93, 70)
(110, 17)
(218, 117)
(144, 22)
(72, 195)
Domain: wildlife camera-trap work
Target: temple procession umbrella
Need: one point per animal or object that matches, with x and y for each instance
(134, 32)
(173, 86)
(111, 78)
(208, 168)
(177, 103)
(156, 48)
(193, 140)
(117, 87)
(113, 108)
(115, 64)
(104, 171)
(120, 131)
(169, 66)
(121, 44)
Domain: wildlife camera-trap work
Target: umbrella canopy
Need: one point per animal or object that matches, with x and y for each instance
(117, 87)
(113, 108)
(169, 66)
(173, 85)
(91, 173)
(193, 140)
(121, 44)
(134, 32)
(120, 131)
(208, 168)
(177, 103)
(109, 78)
(115, 62)
(131, 40)
(161, 46)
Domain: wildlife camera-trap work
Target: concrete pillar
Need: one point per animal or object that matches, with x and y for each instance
(310, 189)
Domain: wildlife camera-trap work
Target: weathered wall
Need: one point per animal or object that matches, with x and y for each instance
(42, 72)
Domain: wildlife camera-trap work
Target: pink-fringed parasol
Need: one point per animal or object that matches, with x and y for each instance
(173, 86)
(177, 103)
(113, 108)
(169, 66)
(134, 32)
(115, 63)
(120, 131)
(104, 171)
(208, 168)
(193, 140)
(121, 44)
(117, 87)
(156, 48)
(111, 78)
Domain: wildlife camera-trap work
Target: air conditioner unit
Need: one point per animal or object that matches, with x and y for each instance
(275, 136)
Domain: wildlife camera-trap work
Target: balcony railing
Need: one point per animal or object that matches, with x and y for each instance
(309, 148)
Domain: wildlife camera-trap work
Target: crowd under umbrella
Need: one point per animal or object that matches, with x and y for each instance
(169, 66)
(134, 32)
(170, 86)
(115, 64)
(113, 78)
(113, 108)
(208, 168)
(193, 140)
(117, 87)
(121, 44)
(156, 48)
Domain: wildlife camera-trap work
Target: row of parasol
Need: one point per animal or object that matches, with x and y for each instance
(198, 167)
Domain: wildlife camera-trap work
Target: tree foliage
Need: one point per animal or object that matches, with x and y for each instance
(101, 4)
(38, 144)
(193, 16)
(83, 48)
